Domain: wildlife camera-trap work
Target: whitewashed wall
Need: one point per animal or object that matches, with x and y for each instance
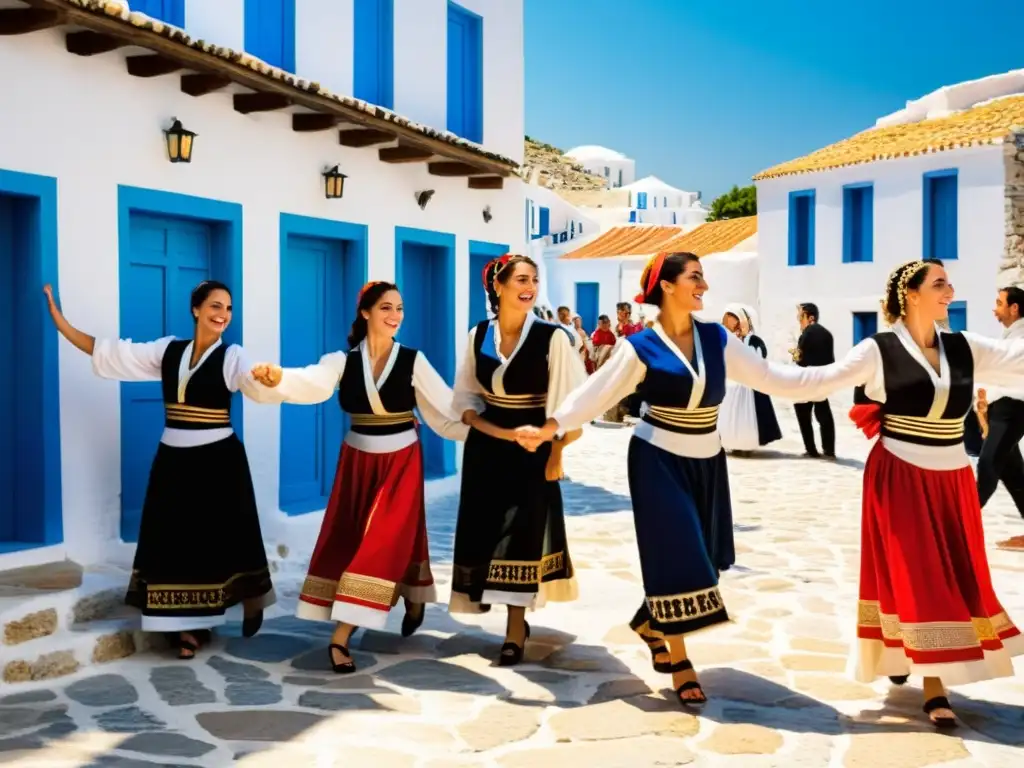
(596, 163)
(323, 53)
(841, 289)
(255, 160)
(608, 273)
(732, 278)
(560, 213)
(685, 218)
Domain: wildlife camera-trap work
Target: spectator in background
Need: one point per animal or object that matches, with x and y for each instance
(584, 345)
(815, 348)
(602, 341)
(626, 326)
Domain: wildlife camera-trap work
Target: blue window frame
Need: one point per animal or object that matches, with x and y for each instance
(374, 64)
(858, 223)
(170, 11)
(865, 325)
(480, 255)
(958, 316)
(545, 219)
(270, 32)
(632, 217)
(641, 200)
(940, 215)
(801, 228)
(465, 73)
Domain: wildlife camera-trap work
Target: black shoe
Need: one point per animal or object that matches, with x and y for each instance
(692, 685)
(939, 702)
(899, 679)
(187, 648)
(812, 455)
(251, 624)
(655, 645)
(512, 654)
(345, 667)
(411, 623)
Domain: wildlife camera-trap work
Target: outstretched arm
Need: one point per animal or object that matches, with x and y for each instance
(303, 386)
(997, 361)
(434, 401)
(807, 384)
(79, 339)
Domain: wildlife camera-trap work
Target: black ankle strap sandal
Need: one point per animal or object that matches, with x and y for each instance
(345, 667)
(939, 702)
(692, 685)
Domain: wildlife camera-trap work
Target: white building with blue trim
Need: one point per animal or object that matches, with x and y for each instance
(419, 103)
(942, 178)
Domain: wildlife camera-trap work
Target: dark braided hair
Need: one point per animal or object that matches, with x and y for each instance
(669, 267)
(368, 298)
(906, 277)
(202, 292)
(500, 270)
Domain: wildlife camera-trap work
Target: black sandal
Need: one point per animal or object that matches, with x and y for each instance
(251, 624)
(411, 623)
(512, 654)
(655, 645)
(184, 645)
(345, 667)
(690, 685)
(939, 702)
(899, 679)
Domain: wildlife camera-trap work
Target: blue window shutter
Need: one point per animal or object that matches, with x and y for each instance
(849, 222)
(170, 11)
(940, 212)
(673, 217)
(374, 51)
(867, 224)
(545, 214)
(632, 217)
(801, 228)
(465, 79)
(958, 316)
(865, 325)
(641, 200)
(858, 223)
(270, 32)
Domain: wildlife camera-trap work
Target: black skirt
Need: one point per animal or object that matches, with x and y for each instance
(200, 548)
(768, 430)
(510, 545)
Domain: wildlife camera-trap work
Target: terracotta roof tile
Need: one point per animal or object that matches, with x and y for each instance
(714, 237)
(625, 241)
(989, 123)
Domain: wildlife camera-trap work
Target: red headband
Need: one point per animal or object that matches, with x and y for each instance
(499, 264)
(653, 275)
(365, 288)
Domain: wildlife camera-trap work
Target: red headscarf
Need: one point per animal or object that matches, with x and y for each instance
(653, 272)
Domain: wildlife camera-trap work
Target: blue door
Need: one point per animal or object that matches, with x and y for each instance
(465, 100)
(586, 305)
(477, 293)
(170, 11)
(428, 327)
(958, 316)
(865, 325)
(8, 400)
(545, 221)
(168, 258)
(316, 313)
(270, 32)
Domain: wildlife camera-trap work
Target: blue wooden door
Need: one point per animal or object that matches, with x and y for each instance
(168, 258)
(958, 316)
(477, 292)
(865, 325)
(374, 51)
(428, 327)
(171, 11)
(315, 317)
(465, 73)
(8, 515)
(270, 32)
(586, 305)
(545, 222)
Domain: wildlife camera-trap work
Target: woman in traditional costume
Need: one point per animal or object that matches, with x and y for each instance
(200, 549)
(372, 547)
(510, 545)
(747, 419)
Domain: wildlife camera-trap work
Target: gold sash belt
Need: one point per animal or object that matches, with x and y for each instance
(196, 415)
(380, 419)
(921, 427)
(685, 418)
(516, 401)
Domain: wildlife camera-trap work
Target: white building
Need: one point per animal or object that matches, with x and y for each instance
(593, 278)
(941, 178)
(617, 169)
(90, 202)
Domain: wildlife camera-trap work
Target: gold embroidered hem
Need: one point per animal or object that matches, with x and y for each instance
(934, 635)
(563, 590)
(192, 597)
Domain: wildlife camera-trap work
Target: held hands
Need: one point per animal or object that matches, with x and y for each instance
(531, 437)
(267, 374)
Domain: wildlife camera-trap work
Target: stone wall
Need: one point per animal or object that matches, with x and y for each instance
(1011, 268)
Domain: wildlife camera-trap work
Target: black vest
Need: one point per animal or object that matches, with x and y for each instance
(525, 379)
(397, 395)
(909, 392)
(207, 398)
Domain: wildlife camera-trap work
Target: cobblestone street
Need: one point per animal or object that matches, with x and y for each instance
(779, 696)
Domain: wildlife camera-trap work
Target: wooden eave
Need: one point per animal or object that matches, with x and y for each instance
(170, 50)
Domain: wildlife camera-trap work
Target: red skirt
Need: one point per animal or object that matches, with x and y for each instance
(927, 606)
(372, 547)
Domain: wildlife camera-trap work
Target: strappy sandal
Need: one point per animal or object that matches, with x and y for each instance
(690, 685)
(251, 624)
(411, 623)
(939, 702)
(342, 668)
(512, 654)
(655, 645)
(899, 679)
(187, 648)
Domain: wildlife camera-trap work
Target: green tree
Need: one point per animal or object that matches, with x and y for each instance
(737, 202)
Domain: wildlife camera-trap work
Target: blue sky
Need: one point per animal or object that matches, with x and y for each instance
(706, 93)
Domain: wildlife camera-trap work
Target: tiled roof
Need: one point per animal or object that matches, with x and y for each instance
(626, 241)
(990, 123)
(221, 59)
(714, 237)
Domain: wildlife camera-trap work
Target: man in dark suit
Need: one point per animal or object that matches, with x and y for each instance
(815, 348)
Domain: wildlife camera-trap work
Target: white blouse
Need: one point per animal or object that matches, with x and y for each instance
(566, 371)
(124, 360)
(318, 383)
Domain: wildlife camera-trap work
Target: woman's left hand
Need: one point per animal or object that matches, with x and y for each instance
(553, 469)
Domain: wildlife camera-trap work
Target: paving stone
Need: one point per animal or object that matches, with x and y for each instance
(545, 677)
(292, 625)
(805, 662)
(46, 667)
(734, 685)
(166, 745)
(343, 702)
(903, 750)
(432, 675)
(742, 739)
(498, 724)
(268, 648)
(585, 658)
(613, 690)
(391, 643)
(623, 719)
(318, 660)
(833, 688)
(644, 752)
(705, 653)
(128, 720)
(31, 627)
(14, 719)
(258, 724)
(253, 693)
(102, 691)
(819, 646)
(179, 686)
(28, 697)
(119, 645)
(235, 672)
(621, 634)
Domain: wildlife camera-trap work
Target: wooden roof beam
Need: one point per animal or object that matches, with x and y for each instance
(448, 168)
(247, 103)
(307, 122)
(88, 43)
(151, 65)
(486, 182)
(20, 21)
(404, 153)
(358, 137)
(201, 83)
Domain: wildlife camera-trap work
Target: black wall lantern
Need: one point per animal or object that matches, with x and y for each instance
(334, 183)
(179, 142)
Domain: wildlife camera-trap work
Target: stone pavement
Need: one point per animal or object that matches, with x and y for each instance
(588, 696)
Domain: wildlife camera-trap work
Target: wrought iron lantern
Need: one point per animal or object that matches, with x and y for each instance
(179, 142)
(334, 183)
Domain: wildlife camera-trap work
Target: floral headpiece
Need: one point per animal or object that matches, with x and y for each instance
(900, 279)
(497, 265)
(653, 273)
(368, 286)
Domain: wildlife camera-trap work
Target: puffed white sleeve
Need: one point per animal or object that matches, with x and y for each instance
(566, 371)
(124, 360)
(999, 362)
(468, 394)
(313, 384)
(238, 377)
(615, 380)
(806, 384)
(434, 401)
